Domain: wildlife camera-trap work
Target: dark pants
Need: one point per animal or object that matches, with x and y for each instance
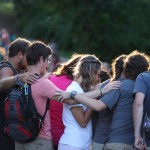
(6, 143)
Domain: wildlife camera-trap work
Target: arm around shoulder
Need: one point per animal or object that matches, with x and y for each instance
(94, 104)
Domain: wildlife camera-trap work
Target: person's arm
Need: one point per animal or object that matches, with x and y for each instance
(8, 79)
(137, 118)
(98, 92)
(94, 104)
(81, 116)
(101, 91)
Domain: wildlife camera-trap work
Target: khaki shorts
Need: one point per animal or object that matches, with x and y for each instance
(37, 144)
(97, 146)
(118, 146)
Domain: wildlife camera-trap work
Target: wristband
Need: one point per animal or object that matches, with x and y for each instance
(17, 78)
(101, 93)
(73, 94)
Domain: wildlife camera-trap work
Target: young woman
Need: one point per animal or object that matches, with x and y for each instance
(76, 118)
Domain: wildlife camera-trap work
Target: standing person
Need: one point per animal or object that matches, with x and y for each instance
(141, 107)
(104, 117)
(62, 78)
(38, 57)
(120, 101)
(76, 118)
(8, 77)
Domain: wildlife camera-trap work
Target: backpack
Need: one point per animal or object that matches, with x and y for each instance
(23, 122)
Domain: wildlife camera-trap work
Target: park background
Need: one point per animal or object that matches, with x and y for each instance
(106, 28)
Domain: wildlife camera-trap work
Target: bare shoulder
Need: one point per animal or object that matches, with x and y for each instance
(6, 72)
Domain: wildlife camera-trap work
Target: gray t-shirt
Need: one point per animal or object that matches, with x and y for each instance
(142, 85)
(120, 102)
(102, 123)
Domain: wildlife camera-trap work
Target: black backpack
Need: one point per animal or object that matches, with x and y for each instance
(23, 122)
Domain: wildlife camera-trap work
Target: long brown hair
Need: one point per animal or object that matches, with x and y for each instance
(67, 67)
(117, 66)
(87, 67)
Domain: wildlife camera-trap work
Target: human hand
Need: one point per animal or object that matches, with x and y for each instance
(61, 95)
(140, 143)
(27, 77)
(110, 86)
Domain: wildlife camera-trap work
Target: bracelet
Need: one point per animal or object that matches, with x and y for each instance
(73, 94)
(17, 78)
(101, 93)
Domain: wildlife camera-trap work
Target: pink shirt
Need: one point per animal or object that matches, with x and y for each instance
(62, 82)
(41, 91)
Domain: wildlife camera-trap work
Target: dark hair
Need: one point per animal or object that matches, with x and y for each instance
(19, 45)
(35, 50)
(87, 67)
(117, 66)
(104, 75)
(67, 67)
(135, 63)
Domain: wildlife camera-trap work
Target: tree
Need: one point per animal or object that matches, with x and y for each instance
(104, 28)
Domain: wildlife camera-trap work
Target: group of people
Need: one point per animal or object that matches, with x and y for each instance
(84, 112)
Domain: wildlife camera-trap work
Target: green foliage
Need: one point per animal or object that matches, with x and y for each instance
(6, 8)
(106, 28)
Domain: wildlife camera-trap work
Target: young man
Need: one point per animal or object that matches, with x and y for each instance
(140, 108)
(38, 57)
(120, 101)
(8, 76)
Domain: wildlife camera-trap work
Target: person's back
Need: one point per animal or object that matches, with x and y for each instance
(57, 127)
(76, 118)
(141, 108)
(74, 134)
(8, 78)
(3, 137)
(121, 102)
(38, 56)
(103, 123)
(121, 130)
(62, 77)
